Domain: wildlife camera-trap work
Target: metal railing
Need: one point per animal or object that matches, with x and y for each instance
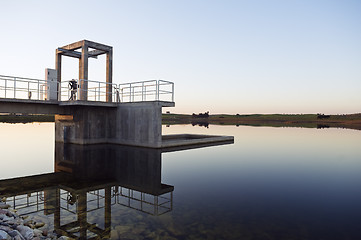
(96, 91)
(86, 90)
(144, 202)
(151, 90)
(23, 88)
(29, 203)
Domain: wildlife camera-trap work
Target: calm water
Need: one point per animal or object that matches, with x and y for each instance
(272, 183)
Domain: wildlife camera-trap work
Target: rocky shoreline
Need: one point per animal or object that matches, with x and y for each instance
(13, 226)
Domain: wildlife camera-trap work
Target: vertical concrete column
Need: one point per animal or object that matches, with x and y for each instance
(109, 75)
(51, 92)
(58, 72)
(82, 214)
(57, 212)
(80, 68)
(80, 83)
(83, 73)
(108, 212)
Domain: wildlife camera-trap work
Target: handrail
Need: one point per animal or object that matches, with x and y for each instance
(35, 79)
(138, 82)
(38, 89)
(96, 91)
(140, 91)
(27, 88)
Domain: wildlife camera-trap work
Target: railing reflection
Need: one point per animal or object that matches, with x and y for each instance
(147, 203)
(90, 181)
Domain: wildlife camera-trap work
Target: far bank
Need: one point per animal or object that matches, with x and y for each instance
(351, 121)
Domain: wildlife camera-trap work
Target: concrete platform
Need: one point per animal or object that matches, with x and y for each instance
(88, 103)
(141, 103)
(180, 140)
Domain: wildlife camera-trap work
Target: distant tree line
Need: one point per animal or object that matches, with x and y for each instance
(322, 116)
(201, 115)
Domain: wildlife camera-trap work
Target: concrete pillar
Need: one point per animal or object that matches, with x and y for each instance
(83, 74)
(51, 84)
(138, 124)
(80, 68)
(58, 73)
(82, 214)
(107, 212)
(109, 75)
(57, 212)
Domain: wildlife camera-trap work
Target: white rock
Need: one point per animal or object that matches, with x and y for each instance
(5, 228)
(6, 218)
(26, 232)
(19, 237)
(63, 238)
(16, 235)
(38, 232)
(4, 235)
(4, 205)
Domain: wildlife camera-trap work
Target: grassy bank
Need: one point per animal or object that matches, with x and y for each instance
(352, 121)
(26, 118)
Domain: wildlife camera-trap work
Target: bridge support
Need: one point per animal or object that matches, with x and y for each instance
(137, 124)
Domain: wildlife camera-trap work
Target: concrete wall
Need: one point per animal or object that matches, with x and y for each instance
(52, 84)
(132, 167)
(89, 125)
(137, 124)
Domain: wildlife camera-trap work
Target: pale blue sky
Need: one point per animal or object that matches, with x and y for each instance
(258, 56)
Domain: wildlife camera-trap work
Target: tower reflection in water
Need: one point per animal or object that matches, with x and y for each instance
(88, 179)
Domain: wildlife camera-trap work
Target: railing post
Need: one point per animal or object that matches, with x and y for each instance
(157, 89)
(130, 92)
(133, 94)
(171, 200)
(172, 92)
(99, 92)
(145, 93)
(69, 92)
(38, 90)
(142, 91)
(122, 95)
(6, 83)
(29, 96)
(15, 87)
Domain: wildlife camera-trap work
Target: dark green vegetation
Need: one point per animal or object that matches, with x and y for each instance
(352, 121)
(12, 118)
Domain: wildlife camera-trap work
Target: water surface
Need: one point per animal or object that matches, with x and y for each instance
(272, 183)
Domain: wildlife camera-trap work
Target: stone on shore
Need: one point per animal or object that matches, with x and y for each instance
(4, 235)
(26, 232)
(15, 234)
(4, 205)
(14, 227)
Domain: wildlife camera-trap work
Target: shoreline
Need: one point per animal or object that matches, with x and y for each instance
(349, 121)
(14, 226)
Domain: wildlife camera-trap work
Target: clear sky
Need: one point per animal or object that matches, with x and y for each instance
(256, 56)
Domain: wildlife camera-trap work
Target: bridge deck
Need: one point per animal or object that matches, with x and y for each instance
(12, 105)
